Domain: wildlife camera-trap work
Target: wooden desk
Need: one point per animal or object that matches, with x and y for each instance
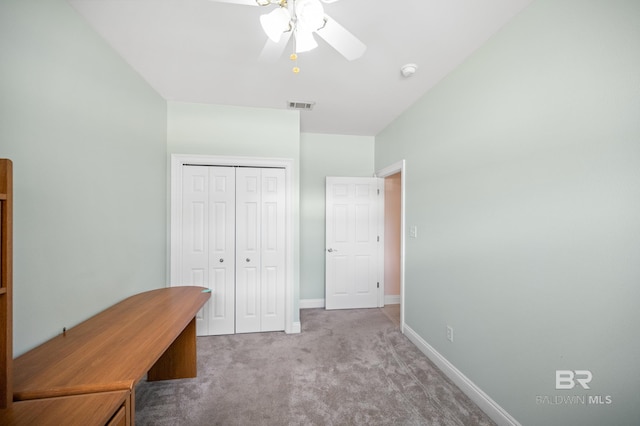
(152, 332)
(93, 409)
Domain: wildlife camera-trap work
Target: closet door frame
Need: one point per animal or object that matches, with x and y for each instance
(180, 160)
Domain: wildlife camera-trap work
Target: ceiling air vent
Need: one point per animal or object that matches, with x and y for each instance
(300, 105)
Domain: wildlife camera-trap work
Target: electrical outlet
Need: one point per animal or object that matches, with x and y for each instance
(450, 333)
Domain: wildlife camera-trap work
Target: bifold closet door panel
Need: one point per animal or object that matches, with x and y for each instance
(195, 229)
(208, 247)
(248, 231)
(260, 249)
(222, 217)
(273, 250)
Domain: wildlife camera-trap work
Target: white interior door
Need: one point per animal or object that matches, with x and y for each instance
(354, 216)
(208, 246)
(260, 250)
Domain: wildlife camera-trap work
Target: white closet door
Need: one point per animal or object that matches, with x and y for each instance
(222, 215)
(260, 251)
(208, 249)
(248, 232)
(273, 250)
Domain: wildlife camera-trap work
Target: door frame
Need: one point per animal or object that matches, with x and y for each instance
(399, 167)
(175, 231)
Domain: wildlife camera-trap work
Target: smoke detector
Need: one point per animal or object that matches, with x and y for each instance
(408, 70)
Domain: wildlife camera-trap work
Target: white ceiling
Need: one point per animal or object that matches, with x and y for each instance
(203, 51)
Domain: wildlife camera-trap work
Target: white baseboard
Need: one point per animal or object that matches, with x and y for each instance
(311, 303)
(391, 299)
(319, 303)
(296, 327)
(486, 404)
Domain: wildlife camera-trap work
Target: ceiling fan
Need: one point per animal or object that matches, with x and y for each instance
(302, 18)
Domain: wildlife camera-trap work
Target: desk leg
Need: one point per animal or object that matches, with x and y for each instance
(130, 408)
(179, 361)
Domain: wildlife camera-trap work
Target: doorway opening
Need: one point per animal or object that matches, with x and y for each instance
(394, 185)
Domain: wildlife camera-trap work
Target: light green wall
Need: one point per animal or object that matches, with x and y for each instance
(522, 178)
(239, 131)
(227, 130)
(87, 137)
(324, 155)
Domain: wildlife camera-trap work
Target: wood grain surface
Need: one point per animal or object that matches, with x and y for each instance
(115, 348)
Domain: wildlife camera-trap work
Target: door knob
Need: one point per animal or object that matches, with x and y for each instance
(221, 260)
(331, 250)
(248, 260)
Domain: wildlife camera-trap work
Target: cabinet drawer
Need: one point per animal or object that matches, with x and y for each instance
(119, 418)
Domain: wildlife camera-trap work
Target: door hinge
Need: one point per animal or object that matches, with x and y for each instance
(378, 191)
(378, 284)
(378, 238)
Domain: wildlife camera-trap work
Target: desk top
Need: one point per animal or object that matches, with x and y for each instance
(110, 351)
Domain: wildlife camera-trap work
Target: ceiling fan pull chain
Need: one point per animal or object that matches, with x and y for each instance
(294, 58)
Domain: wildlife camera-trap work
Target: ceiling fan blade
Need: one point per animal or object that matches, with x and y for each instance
(341, 39)
(242, 2)
(272, 51)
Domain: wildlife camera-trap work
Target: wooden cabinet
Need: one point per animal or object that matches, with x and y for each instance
(119, 418)
(92, 409)
(6, 282)
(149, 334)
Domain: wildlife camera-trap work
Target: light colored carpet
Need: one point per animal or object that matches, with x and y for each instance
(349, 367)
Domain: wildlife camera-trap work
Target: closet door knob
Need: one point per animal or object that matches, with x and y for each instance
(248, 260)
(221, 260)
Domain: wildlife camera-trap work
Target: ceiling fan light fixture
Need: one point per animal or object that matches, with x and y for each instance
(305, 41)
(309, 15)
(275, 23)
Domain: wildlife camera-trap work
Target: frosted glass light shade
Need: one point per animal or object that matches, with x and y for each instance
(310, 14)
(275, 23)
(305, 41)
